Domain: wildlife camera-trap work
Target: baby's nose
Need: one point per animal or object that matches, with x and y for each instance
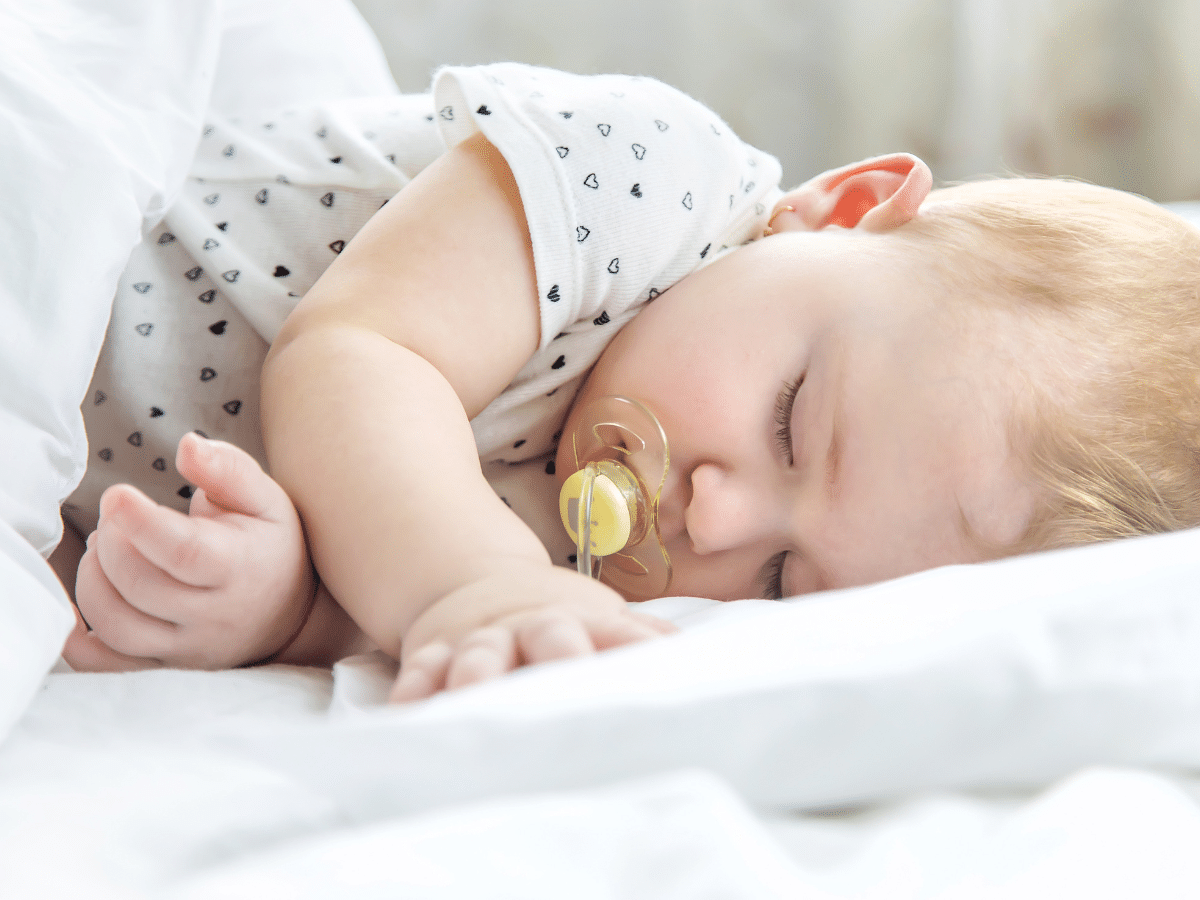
(727, 511)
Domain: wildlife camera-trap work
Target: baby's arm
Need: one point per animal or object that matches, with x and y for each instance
(367, 395)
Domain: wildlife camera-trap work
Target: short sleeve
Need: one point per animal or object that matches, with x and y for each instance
(627, 183)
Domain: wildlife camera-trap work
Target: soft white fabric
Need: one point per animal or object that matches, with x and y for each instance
(1005, 675)
(276, 53)
(99, 110)
(1006, 730)
(102, 107)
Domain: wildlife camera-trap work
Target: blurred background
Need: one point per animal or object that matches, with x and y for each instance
(1105, 90)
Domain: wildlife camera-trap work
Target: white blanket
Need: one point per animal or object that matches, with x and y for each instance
(1021, 729)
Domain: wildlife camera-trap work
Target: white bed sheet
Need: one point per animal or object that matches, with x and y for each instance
(1023, 729)
(1012, 730)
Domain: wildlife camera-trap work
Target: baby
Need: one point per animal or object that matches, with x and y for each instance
(892, 379)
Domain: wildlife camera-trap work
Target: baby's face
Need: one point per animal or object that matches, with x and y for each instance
(892, 456)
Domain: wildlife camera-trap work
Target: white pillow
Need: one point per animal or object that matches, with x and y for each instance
(279, 52)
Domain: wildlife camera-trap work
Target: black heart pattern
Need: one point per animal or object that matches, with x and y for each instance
(159, 465)
(135, 439)
(639, 151)
(232, 275)
(550, 467)
(233, 407)
(193, 273)
(206, 297)
(327, 199)
(142, 287)
(106, 454)
(221, 226)
(210, 244)
(144, 329)
(559, 363)
(282, 271)
(322, 132)
(483, 110)
(704, 252)
(562, 152)
(614, 265)
(212, 199)
(166, 237)
(207, 374)
(636, 190)
(337, 246)
(155, 412)
(687, 200)
(261, 197)
(99, 398)
(336, 160)
(604, 129)
(591, 182)
(229, 152)
(218, 327)
(447, 113)
(602, 319)
(662, 126)
(566, 115)
(581, 234)
(186, 492)
(553, 296)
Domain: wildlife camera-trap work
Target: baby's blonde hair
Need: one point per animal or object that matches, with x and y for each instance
(1109, 418)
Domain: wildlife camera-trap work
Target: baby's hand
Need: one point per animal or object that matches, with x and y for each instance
(531, 617)
(227, 584)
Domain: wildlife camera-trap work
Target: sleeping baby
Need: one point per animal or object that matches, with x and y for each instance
(399, 308)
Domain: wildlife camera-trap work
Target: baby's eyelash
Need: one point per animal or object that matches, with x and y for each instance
(773, 576)
(783, 416)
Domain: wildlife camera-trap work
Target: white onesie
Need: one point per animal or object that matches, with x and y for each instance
(626, 183)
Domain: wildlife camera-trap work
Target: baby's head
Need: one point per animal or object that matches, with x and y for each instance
(1107, 288)
(947, 377)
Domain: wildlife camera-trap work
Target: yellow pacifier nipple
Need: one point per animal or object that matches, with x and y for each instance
(609, 520)
(609, 505)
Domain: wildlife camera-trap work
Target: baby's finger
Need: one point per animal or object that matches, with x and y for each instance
(423, 673)
(120, 626)
(85, 652)
(182, 547)
(628, 628)
(483, 654)
(551, 636)
(230, 477)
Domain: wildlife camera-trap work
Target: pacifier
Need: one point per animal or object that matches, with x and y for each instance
(609, 505)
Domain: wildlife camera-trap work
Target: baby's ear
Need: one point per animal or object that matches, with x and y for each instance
(877, 194)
